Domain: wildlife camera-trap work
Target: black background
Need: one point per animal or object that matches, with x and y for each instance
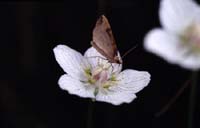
(29, 94)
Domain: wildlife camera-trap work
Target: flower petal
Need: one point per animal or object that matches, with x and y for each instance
(129, 83)
(95, 58)
(132, 81)
(164, 44)
(191, 61)
(71, 61)
(75, 87)
(115, 97)
(176, 15)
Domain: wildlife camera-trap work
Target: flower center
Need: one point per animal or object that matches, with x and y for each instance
(100, 77)
(191, 37)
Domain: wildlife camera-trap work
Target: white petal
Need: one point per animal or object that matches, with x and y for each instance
(129, 83)
(176, 15)
(75, 87)
(191, 61)
(132, 81)
(71, 61)
(95, 58)
(115, 97)
(165, 45)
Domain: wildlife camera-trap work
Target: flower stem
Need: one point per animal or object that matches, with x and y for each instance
(192, 100)
(174, 99)
(90, 114)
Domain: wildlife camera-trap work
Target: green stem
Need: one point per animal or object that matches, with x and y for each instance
(90, 114)
(192, 100)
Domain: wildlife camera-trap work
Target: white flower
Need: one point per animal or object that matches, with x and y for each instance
(90, 76)
(178, 42)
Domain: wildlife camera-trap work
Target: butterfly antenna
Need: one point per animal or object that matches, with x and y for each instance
(131, 49)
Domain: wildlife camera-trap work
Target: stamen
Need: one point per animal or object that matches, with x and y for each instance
(191, 37)
(88, 72)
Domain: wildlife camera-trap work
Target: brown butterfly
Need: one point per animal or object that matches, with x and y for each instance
(104, 42)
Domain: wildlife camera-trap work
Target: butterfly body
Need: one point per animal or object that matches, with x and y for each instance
(104, 42)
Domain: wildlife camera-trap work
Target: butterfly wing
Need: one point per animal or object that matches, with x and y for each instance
(103, 39)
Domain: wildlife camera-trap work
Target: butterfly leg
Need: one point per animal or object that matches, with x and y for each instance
(111, 67)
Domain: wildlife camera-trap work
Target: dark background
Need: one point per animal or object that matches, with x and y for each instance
(29, 94)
